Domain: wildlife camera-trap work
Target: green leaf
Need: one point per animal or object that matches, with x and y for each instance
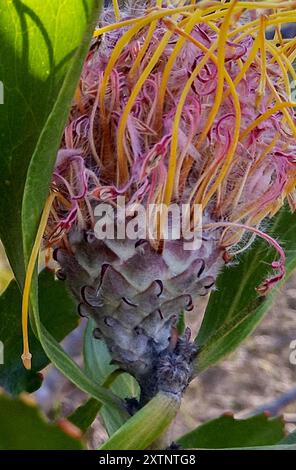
(85, 414)
(41, 55)
(227, 432)
(72, 371)
(145, 426)
(23, 427)
(276, 447)
(97, 364)
(59, 316)
(235, 309)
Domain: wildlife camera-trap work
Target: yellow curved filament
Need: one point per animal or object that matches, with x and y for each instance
(170, 63)
(27, 356)
(266, 115)
(116, 9)
(292, 57)
(229, 156)
(262, 83)
(285, 111)
(123, 41)
(267, 150)
(156, 13)
(173, 157)
(253, 26)
(143, 50)
(245, 67)
(122, 165)
(145, 46)
(175, 131)
(289, 47)
(207, 11)
(284, 65)
(220, 72)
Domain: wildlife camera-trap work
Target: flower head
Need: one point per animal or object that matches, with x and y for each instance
(187, 103)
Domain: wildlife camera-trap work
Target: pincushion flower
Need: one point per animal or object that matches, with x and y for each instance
(178, 102)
